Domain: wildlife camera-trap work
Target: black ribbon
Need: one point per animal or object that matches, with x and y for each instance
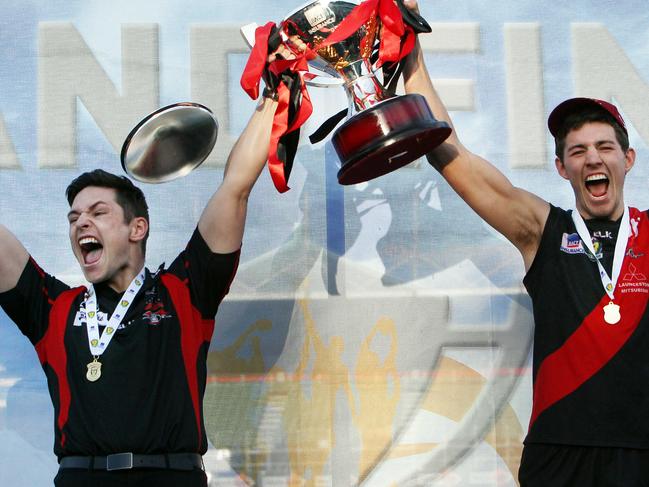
(287, 143)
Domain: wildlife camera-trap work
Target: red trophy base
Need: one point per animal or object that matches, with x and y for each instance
(385, 137)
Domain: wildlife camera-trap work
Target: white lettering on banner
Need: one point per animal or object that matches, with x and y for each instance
(525, 107)
(452, 37)
(8, 158)
(458, 94)
(68, 71)
(603, 70)
(210, 47)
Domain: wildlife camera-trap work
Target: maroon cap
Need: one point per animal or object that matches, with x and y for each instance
(564, 109)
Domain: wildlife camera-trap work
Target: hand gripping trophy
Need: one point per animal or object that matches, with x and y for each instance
(350, 41)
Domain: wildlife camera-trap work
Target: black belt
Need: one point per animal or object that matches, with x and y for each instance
(123, 461)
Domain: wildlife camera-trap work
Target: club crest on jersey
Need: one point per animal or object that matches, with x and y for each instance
(597, 247)
(571, 244)
(155, 312)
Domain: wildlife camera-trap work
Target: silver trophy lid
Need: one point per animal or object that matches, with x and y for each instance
(169, 143)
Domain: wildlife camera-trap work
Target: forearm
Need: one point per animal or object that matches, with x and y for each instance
(250, 152)
(517, 214)
(13, 258)
(223, 220)
(417, 80)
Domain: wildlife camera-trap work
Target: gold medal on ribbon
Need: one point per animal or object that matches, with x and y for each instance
(99, 343)
(612, 313)
(94, 370)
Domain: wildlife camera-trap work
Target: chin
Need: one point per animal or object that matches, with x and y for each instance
(602, 212)
(93, 277)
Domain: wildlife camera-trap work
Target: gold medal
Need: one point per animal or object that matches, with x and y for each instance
(94, 370)
(612, 313)
(99, 343)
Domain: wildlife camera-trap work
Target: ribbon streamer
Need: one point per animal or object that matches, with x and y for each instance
(286, 76)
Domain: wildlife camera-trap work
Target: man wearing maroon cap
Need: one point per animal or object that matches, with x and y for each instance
(587, 272)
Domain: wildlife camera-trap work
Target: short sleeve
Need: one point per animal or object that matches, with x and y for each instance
(29, 303)
(207, 274)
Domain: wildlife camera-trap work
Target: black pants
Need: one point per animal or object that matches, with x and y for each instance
(577, 466)
(72, 477)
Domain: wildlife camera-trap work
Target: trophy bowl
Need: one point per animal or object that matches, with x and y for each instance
(169, 143)
(383, 132)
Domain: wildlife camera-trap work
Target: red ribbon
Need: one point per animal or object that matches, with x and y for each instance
(250, 78)
(281, 125)
(397, 38)
(256, 61)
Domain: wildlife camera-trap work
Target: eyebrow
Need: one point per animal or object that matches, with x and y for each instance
(597, 144)
(91, 207)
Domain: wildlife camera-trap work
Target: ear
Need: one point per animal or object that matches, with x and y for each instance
(629, 159)
(561, 169)
(138, 229)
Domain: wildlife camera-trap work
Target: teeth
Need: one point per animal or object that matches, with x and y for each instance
(88, 240)
(596, 177)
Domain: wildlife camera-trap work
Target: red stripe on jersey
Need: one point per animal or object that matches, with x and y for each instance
(595, 342)
(51, 351)
(193, 333)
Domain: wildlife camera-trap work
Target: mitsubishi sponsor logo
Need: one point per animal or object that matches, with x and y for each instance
(634, 281)
(634, 274)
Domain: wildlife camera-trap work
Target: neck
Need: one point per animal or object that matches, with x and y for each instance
(121, 280)
(613, 216)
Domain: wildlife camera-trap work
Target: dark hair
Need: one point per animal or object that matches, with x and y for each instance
(128, 196)
(580, 118)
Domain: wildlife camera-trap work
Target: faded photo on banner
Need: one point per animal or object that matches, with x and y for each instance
(376, 334)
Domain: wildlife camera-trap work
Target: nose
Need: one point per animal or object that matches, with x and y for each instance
(82, 221)
(593, 156)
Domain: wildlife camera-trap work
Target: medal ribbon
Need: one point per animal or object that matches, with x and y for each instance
(99, 344)
(609, 283)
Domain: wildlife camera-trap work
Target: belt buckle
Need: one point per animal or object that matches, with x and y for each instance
(119, 461)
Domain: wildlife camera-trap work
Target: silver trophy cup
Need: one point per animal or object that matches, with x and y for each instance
(382, 132)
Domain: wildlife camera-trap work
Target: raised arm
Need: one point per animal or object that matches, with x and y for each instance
(517, 214)
(13, 258)
(223, 220)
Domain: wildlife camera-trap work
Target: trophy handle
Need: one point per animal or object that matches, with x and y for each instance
(322, 80)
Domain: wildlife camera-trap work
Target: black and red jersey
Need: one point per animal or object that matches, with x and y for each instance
(590, 377)
(149, 397)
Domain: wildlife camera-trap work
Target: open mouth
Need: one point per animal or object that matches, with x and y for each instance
(597, 184)
(91, 250)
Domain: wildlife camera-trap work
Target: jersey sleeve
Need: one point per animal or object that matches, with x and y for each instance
(207, 274)
(29, 303)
